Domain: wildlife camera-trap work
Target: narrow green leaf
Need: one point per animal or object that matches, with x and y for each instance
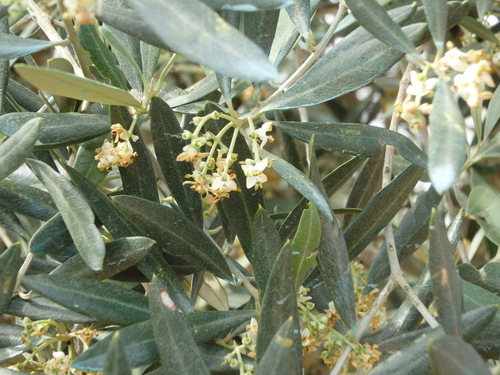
(493, 114)
(100, 55)
(349, 65)
(120, 48)
(139, 177)
(481, 31)
(85, 162)
(16, 149)
(299, 13)
(75, 212)
(100, 203)
(368, 183)
(332, 182)
(483, 6)
(413, 357)
(260, 27)
(247, 5)
(10, 262)
(475, 297)
(450, 355)
(24, 96)
(333, 262)
(172, 21)
(71, 86)
(63, 104)
(52, 237)
(57, 129)
(168, 145)
(119, 226)
(26, 200)
(179, 356)
(266, 245)
(4, 67)
(447, 143)
(380, 211)
(10, 335)
(105, 302)
(126, 20)
(120, 255)
(492, 148)
(130, 56)
(9, 220)
(138, 340)
(174, 232)
(155, 264)
(305, 242)
(436, 12)
(149, 60)
(301, 183)
(224, 86)
(375, 19)
(408, 236)
(281, 354)
(286, 35)
(444, 277)
(278, 304)
(38, 308)
(206, 86)
(492, 273)
(138, 344)
(116, 359)
(13, 46)
(354, 139)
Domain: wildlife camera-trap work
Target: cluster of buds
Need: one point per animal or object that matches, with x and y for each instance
(247, 347)
(118, 152)
(45, 338)
(471, 74)
(212, 176)
(318, 329)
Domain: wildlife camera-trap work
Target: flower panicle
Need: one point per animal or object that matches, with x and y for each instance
(117, 152)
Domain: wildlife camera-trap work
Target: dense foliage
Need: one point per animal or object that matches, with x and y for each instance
(233, 186)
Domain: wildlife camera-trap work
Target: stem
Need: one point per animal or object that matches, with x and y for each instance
(364, 324)
(255, 145)
(22, 271)
(75, 41)
(396, 272)
(309, 62)
(236, 131)
(45, 24)
(164, 73)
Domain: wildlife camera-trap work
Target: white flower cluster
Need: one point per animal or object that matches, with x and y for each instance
(212, 177)
(472, 74)
(119, 152)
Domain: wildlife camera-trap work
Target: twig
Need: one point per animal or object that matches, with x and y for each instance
(45, 24)
(396, 272)
(75, 41)
(364, 323)
(309, 61)
(23, 269)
